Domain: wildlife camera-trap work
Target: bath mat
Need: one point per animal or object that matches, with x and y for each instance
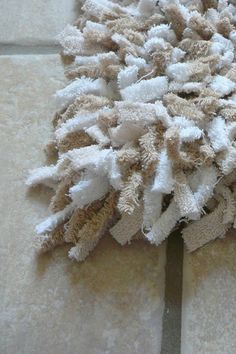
(145, 129)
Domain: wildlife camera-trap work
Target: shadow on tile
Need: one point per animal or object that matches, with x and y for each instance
(40, 195)
(110, 268)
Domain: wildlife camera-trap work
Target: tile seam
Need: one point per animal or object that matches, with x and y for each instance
(172, 317)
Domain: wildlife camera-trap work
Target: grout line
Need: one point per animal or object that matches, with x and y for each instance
(18, 49)
(171, 333)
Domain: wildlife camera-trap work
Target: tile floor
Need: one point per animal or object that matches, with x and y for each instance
(114, 302)
(209, 299)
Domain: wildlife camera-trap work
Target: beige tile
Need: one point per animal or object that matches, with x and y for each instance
(110, 304)
(34, 21)
(209, 299)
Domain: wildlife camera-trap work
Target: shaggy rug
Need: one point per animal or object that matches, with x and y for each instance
(145, 130)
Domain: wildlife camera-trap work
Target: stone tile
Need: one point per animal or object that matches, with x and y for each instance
(110, 304)
(209, 299)
(35, 22)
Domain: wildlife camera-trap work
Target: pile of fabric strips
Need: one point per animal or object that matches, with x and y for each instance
(144, 135)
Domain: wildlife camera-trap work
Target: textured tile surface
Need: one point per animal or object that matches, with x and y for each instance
(34, 21)
(209, 300)
(110, 304)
